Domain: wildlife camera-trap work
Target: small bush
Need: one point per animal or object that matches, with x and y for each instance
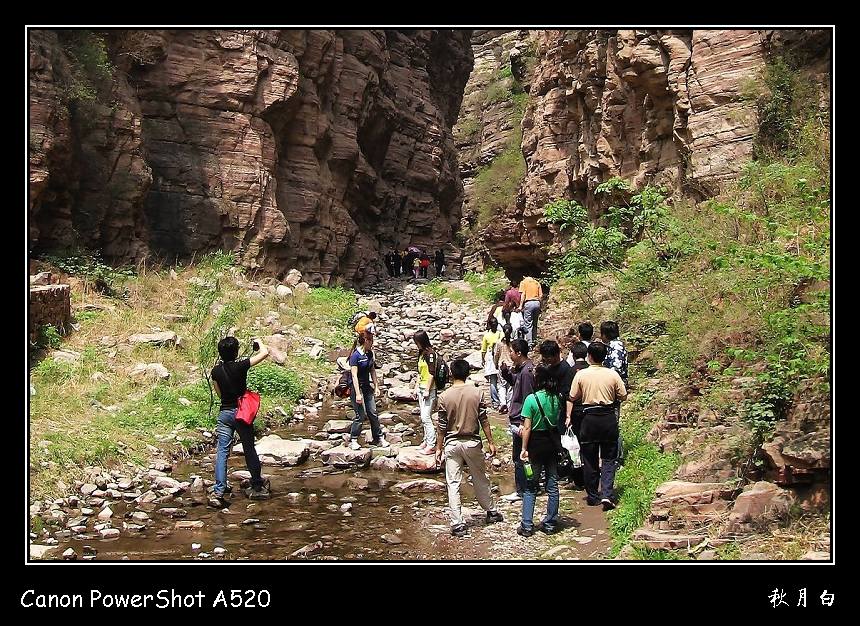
(567, 214)
(48, 337)
(89, 266)
(275, 382)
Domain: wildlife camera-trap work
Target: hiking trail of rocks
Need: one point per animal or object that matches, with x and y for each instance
(329, 502)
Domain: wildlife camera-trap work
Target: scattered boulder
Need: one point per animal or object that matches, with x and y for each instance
(274, 450)
(401, 394)
(342, 456)
(422, 485)
(337, 426)
(65, 356)
(760, 502)
(283, 291)
(294, 277)
(412, 460)
(38, 551)
(166, 338)
(391, 538)
(149, 371)
(189, 525)
(306, 551)
(383, 463)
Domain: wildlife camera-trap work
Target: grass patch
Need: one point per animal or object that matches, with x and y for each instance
(645, 468)
(643, 553)
(496, 185)
(484, 287)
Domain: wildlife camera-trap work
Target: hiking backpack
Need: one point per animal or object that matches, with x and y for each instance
(356, 317)
(442, 374)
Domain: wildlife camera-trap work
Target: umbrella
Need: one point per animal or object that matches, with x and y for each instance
(413, 249)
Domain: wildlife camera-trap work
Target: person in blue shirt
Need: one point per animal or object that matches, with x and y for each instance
(363, 392)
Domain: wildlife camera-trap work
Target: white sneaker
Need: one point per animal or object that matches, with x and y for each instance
(383, 443)
(512, 497)
(354, 445)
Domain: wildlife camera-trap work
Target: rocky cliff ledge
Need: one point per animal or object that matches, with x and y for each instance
(652, 106)
(295, 148)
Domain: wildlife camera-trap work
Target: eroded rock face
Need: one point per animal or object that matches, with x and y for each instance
(314, 149)
(659, 107)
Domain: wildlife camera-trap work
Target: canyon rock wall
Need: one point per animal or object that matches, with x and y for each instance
(295, 148)
(654, 107)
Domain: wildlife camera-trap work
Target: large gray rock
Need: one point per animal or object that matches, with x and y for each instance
(38, 551)
(149, 371)
(474, 360)
(342, 456)
(166, 338)
(294, 277)
(422, 485)
(401, 394)
(337, 426)
(274, 450)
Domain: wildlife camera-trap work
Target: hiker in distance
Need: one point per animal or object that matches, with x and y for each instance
(462, 414)
(230, 380)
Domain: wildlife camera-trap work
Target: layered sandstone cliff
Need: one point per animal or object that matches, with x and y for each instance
(660, 107)
(310, 149)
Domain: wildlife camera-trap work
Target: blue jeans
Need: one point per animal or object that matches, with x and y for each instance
(530, 494)
(494, 388)
(227, 424)
(362, 411)
(531, 311)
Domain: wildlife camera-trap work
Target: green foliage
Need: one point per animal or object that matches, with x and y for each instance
(497, 91)
(567, 214)
(597, 248)
(645, 468)
(92, 70)
(614, 186)
(89, 266)
(785, 100)
(334, 304)
(218, 261)
(274, 381)
(48, 336)
(496, 185)
(729, 552)
(643, 553)
(160, 409)
(467, 128)
(487, 284)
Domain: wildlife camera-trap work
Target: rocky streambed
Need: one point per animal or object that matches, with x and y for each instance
(329, 502)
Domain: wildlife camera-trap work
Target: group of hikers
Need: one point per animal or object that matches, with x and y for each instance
(578, 395)
(413, 264)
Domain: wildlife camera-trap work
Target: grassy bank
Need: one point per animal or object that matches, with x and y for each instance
(90, 412)
(482, 287)
(729, 296)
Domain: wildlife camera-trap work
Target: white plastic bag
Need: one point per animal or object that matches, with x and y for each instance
(570, 443)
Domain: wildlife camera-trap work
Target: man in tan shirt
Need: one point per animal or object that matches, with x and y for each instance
(531, 294)
(599, 389)
(461, 416)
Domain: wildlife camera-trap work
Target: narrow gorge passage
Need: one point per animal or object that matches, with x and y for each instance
(366, 511)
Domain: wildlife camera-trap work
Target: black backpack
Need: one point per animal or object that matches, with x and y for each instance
(355, 318)
(442, 374)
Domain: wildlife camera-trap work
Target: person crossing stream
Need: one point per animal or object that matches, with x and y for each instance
(339, 491)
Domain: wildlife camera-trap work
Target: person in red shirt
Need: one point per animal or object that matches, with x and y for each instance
(512, 301)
